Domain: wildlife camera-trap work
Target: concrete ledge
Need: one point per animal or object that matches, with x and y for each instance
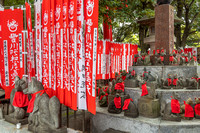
(103, 121)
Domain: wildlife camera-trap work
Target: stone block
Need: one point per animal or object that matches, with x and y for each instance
(15, 121)
(149, 107)
(131, 83)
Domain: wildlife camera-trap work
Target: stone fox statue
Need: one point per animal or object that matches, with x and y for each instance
(44, 112)
(161, 2)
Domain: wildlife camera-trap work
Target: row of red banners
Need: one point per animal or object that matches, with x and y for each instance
(65, 57)
(113, 57)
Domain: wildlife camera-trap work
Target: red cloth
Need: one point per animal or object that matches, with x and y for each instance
(189, 112)
(103, 96)
(117, 101)
(162, 51)
(126, 103)
(197, 79)
(20, 99)
(144, 73)
(186, 59)
(169, 81)
(197, 109)
(158, 51)
(144, 89)
(175, 81)
(31, 102)
(195, 58)
(135, 59)
(133, 73)
(105, 90)
(143, 57)
(154, 52)
(175, 106)
(162, 58)
(171, 58)
(123, 77)
(119, 86)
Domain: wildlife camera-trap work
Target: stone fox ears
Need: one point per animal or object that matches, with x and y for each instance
(36, 83)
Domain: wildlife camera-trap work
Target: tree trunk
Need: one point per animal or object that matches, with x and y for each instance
(142, 34)
(2, 2)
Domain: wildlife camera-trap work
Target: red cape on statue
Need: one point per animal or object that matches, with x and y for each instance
(20, 99)
(126, 103)
(144, 89)
(119, 86)
(162, 58)
(117, 101)
(123, 77)
(31, 102)
(197, 109)
(169, 81)
(171, 58)
(175, 106)
(133, 73)
(175, 81)
(189, 112)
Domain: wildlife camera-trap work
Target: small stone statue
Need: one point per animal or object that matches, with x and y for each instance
(145, 74)
(176, 83)
(197, 108)
(131, 79)
(123, 74)
(167, 84)
(138, 61)
(115, 105)
(170, 110)
(161, 2)
(119, 87)
(103, 100)
(172, 59)
(192, 60)
(129, 108)
(160, 60)
(182, 59)
(147, 60)
(19, 101)
(131, 75)
(44, 111)
(114, 82)
(187, 111)
(193, 82)
(147, 91)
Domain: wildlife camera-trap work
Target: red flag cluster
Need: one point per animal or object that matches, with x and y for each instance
(113, 57)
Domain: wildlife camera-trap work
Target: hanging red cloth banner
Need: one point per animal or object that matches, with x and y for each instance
(46, 43)
(38, 40)
(80, 58)
(112, 51)
(66, 78)
(107, 52)
(73, 51)
(91, 37)
(59, 49)
(53, 48)
(12, 59)
(99, 53)
(30, 47)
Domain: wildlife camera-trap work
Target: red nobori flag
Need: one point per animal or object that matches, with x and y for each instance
(81, 98)
(59, 49)
(30, 47)
(66, 78)
(53, 48)
(91, 37)
(73, 51)
(99, 53)
(46, 46)
(12, 59)
(38, 40)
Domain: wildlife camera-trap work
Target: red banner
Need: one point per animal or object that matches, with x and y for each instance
(46, 46)
(59, 49)
(73, 51)
(30, 45)
(91, 37)
(12, 59)
(66, 77)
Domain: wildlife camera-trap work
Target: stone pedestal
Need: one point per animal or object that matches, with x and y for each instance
(149, 107)
(15, 121)
(131, 83)
(164, 27)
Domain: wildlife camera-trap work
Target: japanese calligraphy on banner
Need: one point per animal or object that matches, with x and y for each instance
(73, 51)
(12, 59)
(38, 40)
(30, 45)
(59, 49)
(81, 102)
(66, 78)
(91, 38)
(46, 47)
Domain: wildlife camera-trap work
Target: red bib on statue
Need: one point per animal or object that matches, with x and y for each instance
(189, 112)
(119, 86)
(175, 106)
(175, 81)
(20, 99)
(144, 89)
(126, 103)
(197, 109)
(117, 101)
(123, 77)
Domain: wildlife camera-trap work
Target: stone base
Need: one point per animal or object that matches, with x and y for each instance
(104, 120)
(60, 130)
(149, 107)
(131, 83)
(15, 121)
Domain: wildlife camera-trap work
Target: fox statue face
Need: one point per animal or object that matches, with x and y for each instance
(20, 84)
(33, 87)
